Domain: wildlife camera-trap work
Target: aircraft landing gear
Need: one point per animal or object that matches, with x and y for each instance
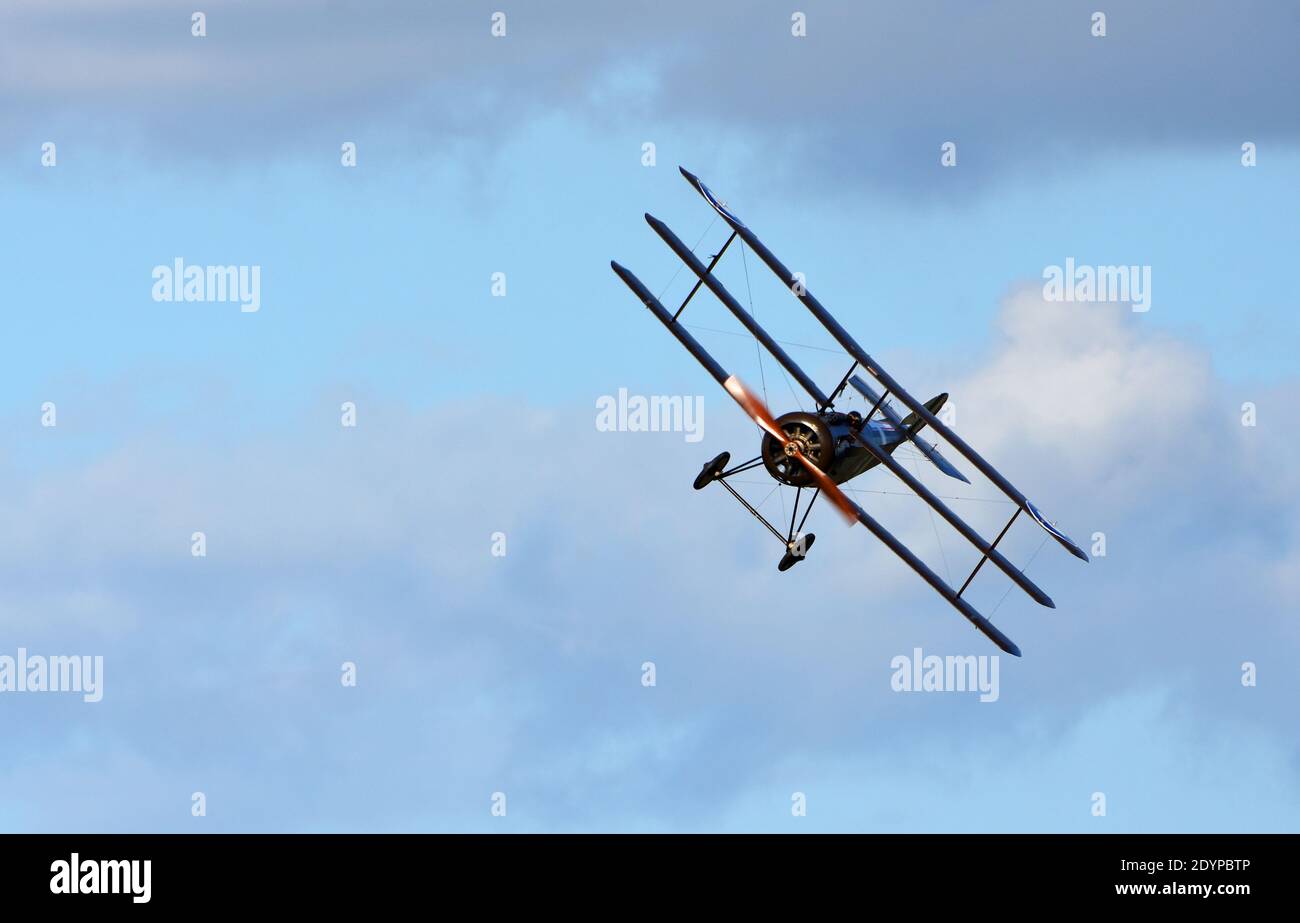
(796, 551)
(711, 470)
(796, 544)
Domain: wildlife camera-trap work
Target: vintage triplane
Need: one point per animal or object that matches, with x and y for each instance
(822, 450)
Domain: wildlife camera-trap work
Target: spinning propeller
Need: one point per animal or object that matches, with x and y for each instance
(753, 405)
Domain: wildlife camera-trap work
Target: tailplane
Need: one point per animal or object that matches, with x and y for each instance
(913, 422)
(910, 425)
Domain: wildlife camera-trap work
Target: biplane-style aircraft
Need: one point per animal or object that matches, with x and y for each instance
(822, 450)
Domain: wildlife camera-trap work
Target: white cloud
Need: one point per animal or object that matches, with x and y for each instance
(523, 673)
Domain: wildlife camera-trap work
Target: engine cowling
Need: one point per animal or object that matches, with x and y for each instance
(813, 437)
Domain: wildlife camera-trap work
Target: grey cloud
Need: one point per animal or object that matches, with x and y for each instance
(867, 96)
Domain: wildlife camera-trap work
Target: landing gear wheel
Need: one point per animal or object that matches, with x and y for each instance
(709, 473)
(791, 559)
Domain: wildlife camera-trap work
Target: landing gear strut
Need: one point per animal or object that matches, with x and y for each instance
(796, 544)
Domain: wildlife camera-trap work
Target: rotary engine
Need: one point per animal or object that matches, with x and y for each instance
(822, 439)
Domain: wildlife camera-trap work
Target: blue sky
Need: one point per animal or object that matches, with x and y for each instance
(476, 413)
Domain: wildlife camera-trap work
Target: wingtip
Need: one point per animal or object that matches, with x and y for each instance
(1075, 550)
(1062, 539)
(1038, 596)
(1006, 643)
(625, 274)
(991, 631)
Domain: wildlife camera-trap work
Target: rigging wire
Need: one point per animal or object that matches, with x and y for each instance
(934, 525)
(1022, 570)
(760, 503)
(733, 333)
(745, 262)
(681, 265)
(758, 349)
(943, 554)
(887, 493)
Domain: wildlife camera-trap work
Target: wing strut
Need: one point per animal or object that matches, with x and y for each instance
(712, 263)
(981, 561)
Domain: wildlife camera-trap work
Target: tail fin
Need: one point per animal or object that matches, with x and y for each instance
(913, 422)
